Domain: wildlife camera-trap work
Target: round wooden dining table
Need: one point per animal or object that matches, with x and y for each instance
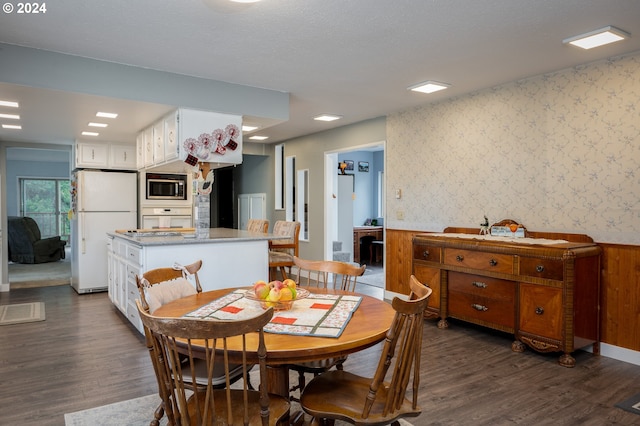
(367, 327)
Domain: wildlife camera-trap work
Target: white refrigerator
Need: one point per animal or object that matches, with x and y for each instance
(102, 202)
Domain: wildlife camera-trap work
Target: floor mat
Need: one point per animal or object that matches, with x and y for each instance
(631, 405)
(21, 313)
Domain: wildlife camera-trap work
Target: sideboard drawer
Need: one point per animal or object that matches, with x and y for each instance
(482, 310)
(542, 268)
(492, 262)
(492, 288)
(426, 252)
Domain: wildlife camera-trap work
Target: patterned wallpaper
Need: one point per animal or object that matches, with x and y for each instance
(556, 152)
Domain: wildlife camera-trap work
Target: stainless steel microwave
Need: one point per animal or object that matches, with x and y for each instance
(162, 186)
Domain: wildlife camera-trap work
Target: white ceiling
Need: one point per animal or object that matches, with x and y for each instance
(353, 58)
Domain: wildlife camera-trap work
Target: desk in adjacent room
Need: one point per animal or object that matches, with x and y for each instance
(375, 232)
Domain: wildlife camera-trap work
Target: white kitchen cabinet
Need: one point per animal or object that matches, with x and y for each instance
(200, 136)
(125, 262)
(158, 142)
(171, 137)
(147, 140)
(105, 155)
(92, 155)
(231, 258)
(140, 151)
(122, 157)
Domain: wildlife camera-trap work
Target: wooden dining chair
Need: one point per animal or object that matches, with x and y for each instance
(282, 251)
(184, 341)
(322, 274)
(340, 395)
(258, 225)
(158, 287)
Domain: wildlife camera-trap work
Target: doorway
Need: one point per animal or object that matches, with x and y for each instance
(45, 167)
(223, 199)
(332, 222)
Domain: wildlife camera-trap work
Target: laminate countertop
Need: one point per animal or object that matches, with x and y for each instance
(169, 237)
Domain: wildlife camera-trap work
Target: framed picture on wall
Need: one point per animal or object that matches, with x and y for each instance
(363, 166)
(349, 164)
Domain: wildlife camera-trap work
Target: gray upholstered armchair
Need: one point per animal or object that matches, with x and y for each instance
(26, 244)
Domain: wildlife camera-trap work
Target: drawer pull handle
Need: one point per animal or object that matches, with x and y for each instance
(540, 268)
(459, 258)
(539, 310)
(479, 284)
(481, 308)
(425, 254)
(493, 262)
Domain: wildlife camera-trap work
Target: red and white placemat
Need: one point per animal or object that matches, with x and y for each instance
(322, 315)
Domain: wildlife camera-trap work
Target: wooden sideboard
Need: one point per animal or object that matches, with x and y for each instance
(364, 231)
(547, 295)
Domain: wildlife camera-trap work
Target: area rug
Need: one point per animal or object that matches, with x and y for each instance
(631, 405)
(134, 412)
(21, 313)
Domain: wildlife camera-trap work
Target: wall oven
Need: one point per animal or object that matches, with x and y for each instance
(165, 186)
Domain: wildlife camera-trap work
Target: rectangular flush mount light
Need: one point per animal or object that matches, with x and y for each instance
(327, 117)
(429, 87)
(10, 104)
(597, 38)
(106, 114)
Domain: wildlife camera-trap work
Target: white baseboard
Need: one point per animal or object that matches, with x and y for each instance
(4, 287)
(618, 353)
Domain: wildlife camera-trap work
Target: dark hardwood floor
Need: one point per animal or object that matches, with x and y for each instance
(85, 355)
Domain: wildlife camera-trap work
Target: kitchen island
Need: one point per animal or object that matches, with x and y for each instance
(230, 258)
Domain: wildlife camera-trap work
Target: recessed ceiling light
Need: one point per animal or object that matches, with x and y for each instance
(327, 117)
(9, 104)
(12, 126)
(597, 38)
(259, 138)
(246, 128)
(90, 134)
(429, 87)
(106, 114)
(92, 124)
(10, 116)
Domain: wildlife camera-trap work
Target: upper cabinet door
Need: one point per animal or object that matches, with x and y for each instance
(123, 157)
(147, 136)
(158, 142)
(92, 155)
(140, 151)
(171, 137)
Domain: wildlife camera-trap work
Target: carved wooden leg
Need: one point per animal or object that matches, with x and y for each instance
(518, 346)
(443, 323)
(566, 360)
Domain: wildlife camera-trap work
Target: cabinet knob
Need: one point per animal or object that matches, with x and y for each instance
(493, 262)
(479, 284)
(539, 310)
(481, 308)
(540, 268)
(425, 254)
(459, 258)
